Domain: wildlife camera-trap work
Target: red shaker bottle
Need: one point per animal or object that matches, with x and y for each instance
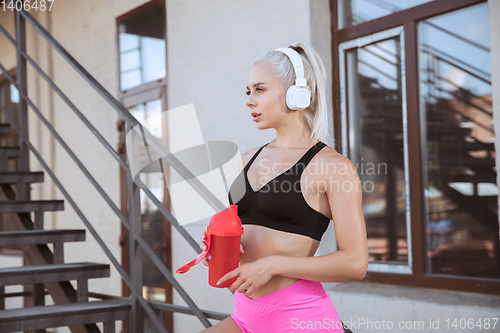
(223, 239)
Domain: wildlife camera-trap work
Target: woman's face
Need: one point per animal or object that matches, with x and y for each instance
(266, 97)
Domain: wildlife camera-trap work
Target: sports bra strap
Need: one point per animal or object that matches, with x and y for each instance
(308, 156)
(302, 162)
(255, 155)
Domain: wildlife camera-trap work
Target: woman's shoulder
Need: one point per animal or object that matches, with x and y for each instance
(335, 162)
(246, 156)
(329, 155)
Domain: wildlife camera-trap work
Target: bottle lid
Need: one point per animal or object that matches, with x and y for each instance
(226, 223)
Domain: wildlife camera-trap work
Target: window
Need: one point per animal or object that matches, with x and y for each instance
(351, 12)
(374, 85)
(142, 47)
(416, 119)
(458, 144)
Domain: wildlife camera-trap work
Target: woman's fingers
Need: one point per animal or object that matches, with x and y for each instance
(203, 246)
(206, 259)
(241, 248)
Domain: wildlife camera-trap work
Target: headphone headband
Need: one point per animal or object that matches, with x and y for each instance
(298, 66)
(298, 96)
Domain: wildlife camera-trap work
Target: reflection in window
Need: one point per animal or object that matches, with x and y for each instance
(376, 142)
(142, 47)
(352, 12)
(458, 144)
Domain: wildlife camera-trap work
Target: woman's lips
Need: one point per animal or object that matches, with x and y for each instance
(256, 116)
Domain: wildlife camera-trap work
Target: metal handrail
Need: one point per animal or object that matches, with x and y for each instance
(211, 199)
(153, 142)
(136, 237)
(394, 8)
(436, 53)
(111, 257)
(430, 50)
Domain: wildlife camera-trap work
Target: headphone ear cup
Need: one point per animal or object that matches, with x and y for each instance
(298, 98)
(289, 98)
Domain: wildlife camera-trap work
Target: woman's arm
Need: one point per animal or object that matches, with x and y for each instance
(344, 192)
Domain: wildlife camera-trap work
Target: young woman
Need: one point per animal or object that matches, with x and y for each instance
(292, 187)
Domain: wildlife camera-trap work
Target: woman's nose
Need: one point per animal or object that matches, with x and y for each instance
(250, 102)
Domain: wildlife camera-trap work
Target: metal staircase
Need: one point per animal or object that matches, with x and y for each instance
(52, 269)
(45, 271)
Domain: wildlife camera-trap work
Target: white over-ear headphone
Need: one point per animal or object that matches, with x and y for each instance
(298, 96)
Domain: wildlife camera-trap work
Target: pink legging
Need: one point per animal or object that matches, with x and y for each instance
(303, 306)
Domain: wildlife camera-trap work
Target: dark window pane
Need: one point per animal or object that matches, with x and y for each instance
(458, 144)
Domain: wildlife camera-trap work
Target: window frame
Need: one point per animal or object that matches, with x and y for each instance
(408, 19)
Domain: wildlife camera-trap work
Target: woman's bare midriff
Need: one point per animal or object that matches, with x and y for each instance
(259, 242)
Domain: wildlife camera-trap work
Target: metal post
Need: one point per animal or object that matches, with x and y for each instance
(23, 92)
(59, 253)
(38, 297)
(134, 216)
(109, 326)
(83, 290)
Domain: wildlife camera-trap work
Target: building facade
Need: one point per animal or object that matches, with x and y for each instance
(413, 87)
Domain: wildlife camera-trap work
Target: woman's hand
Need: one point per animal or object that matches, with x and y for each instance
(251, 276)
(208, 256)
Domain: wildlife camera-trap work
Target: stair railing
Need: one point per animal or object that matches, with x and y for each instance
(133, 222)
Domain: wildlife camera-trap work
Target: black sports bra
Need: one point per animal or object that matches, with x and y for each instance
(279, 204)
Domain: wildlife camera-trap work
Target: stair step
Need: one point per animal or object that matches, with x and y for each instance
(40, 317)
(27, 176)
(466, 145)
(31, 237)
(469, 161)
(11, 276)
(450, 177)
(10, 151)
(4, 129)
(18, 206)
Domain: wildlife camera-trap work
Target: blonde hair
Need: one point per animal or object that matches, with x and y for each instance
(315, 74)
